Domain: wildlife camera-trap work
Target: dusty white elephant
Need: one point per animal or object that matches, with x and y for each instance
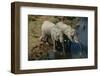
(68, 31)
(49, 29)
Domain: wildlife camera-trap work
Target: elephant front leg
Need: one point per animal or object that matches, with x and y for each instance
(54, 46)
(63, 49)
